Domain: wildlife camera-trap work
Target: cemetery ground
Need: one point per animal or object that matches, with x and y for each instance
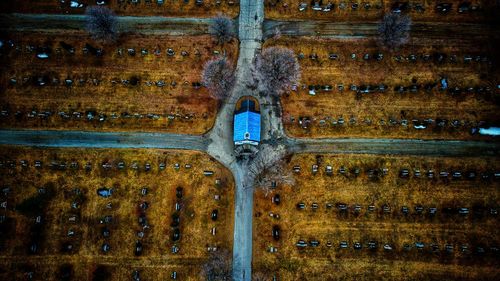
(373, 10)
(148, 83)
(449, 231)
(167, 8)
(69, 222)
(428, 89)
(110, 214)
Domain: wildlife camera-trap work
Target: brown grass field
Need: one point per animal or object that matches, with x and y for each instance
(180, 108)
(156, 262)
(289, 10)
(479, 228)
(170, 8)
(326, 107)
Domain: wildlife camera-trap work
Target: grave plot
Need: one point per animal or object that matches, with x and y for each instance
(367, 217)
(352, 88)
(147, 83)
(111, 211)
(372, 10)
(169, 8)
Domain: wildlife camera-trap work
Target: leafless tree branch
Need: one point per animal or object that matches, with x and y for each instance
(101, 24)
(394, 30)
(269, 166)
(259, 276)
(277, 69)
(218, 77)
(222, 29)
(218, 266)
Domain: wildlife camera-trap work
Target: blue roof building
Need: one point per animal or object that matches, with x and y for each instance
(246, 129)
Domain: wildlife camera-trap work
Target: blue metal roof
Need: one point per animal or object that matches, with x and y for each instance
(246, 127)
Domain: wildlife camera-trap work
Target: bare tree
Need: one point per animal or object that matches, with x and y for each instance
(276, 34)
(222, 29)
(259, 276)
(273, 34)
(218, 77)
(277, 70)
(269, 166)
(394, 30)
(101, 24)
(218, 266)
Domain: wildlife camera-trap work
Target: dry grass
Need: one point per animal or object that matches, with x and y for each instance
(324, 263)
(157, 259)
(329, 106)
(182, 99)
(170, 8)
(367, 269)
(289, 9)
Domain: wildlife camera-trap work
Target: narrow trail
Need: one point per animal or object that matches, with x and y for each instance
(395, 147)
(345, 30)
(89, 139)
(54, 23)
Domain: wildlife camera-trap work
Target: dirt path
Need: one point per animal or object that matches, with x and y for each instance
(347, 30)
(102, 139)
(395, 147)
(201, 143)
(48, 23)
